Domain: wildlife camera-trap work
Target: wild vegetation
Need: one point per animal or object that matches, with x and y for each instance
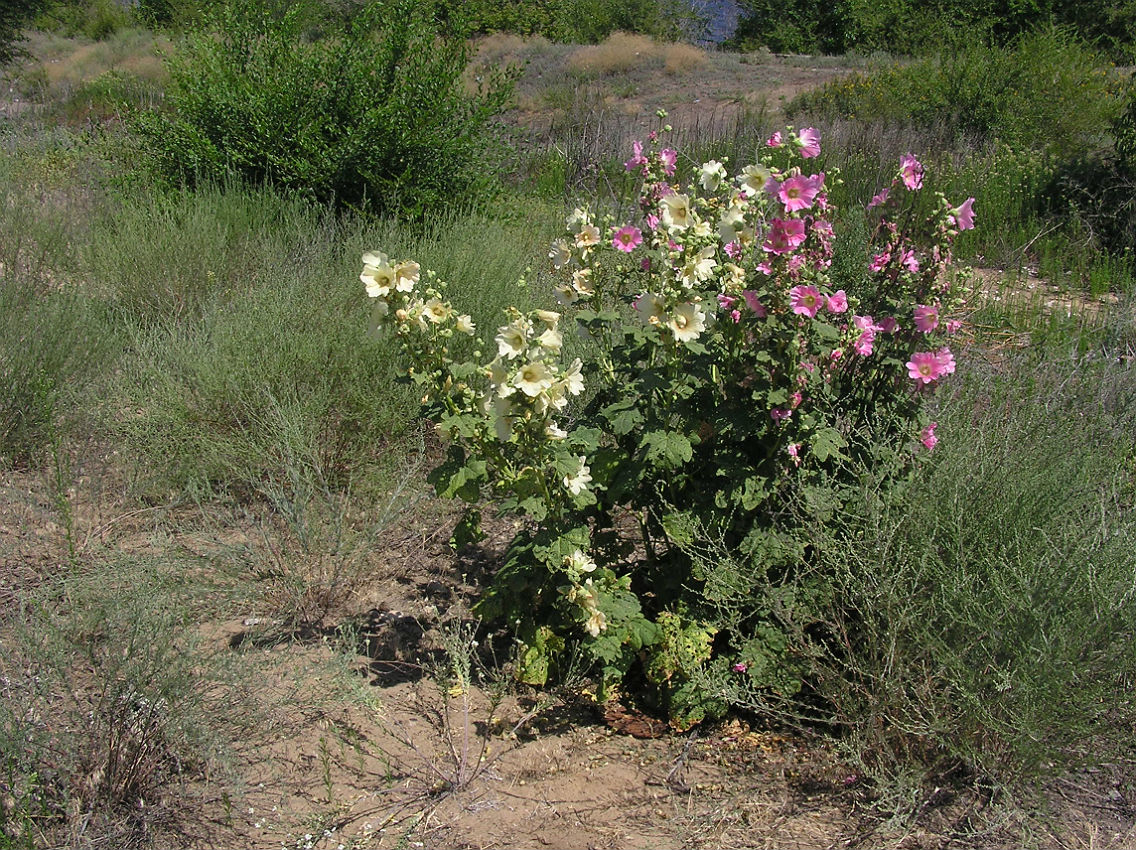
(740, 439)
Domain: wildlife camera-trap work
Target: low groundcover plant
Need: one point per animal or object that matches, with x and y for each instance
(724, 370)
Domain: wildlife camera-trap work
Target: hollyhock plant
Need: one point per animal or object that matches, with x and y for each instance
(728, 362)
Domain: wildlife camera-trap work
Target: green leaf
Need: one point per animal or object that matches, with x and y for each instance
(468, 530)
(827, 443)
(667, 449)
(622, 417)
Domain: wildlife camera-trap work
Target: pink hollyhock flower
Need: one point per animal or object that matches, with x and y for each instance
(927, 436)
(924, 366)
(784, 236)
(880, 261)
(794, 449)
(726, 302)
(764, 267)
(774, 141)
(652, 222)
(952, 326)
(865, 323)
(638, 160)
(911, 170)
(740, 667)
(837, 353)
(627, 238)
(669, 158)
(926, 317)
(907, 258)
(837, 302)
(809, 142)
(881, 198)
(795, 400)
(780, 414)
(751, 301)
(964, 215)
(736, 315)
(733, 250)
(946, 361)
(797, 193)
(805, 300)
(864, 342)
(887, 325)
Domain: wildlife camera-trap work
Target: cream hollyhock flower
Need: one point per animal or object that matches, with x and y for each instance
(732, 220)
(437, 311)
(464, 325)
(513, 339)
(588, 237)
(579, 562)
(573, 378)
(578, 483)
(753, 179)
(566, 295)
(676, 212)
(698, 268)
(549, 317)
(712, 175)
(554, 431)
(687, 322)
(734, 278)
(533, 379)
(377, 274)
(551, 340)
(502, 418)
(582, 282)
(651, 308)
(560, 254)
(499, 375)
(576, 220)
(596, 622)
(406, 275)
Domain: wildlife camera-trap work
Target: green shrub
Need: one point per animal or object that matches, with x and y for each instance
(373, 115)
(1046, 91)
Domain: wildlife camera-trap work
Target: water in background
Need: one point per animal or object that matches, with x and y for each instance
(721, 15)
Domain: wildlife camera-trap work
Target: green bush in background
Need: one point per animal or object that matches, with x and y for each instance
(913, 27)
(373, 115)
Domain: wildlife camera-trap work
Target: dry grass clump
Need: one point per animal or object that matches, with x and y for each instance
(620, 52)
(680, 58)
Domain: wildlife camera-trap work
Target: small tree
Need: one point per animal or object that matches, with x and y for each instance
(14, 16)
(374, 114)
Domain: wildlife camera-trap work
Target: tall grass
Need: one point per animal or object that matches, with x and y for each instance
(978, 617)
(250, 345)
